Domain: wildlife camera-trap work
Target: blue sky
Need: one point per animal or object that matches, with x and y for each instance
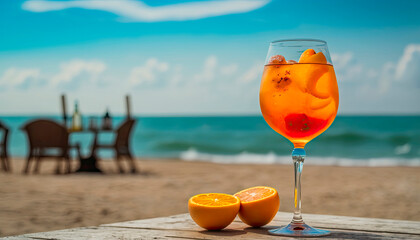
(199, 57)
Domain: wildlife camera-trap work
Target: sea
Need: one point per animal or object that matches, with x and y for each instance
(350, 141)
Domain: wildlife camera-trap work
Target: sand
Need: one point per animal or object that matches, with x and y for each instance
(44, 202)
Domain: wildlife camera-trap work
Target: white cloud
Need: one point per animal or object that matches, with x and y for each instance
(367, 81)
(346, 68)
(176, 75)
(19, 77)
(341, 61)
(131, 10)
(147, 73)
(253, 73)
(407, 68)
(392, 87)
(229, 69)
(386, 78)
(372, 73)
(74, 68)
(403, 74)
(193, 85)
(209, 70)
(71, 74)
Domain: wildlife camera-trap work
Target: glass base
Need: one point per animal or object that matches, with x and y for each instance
(299, 230)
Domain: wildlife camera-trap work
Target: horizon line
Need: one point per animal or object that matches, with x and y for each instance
(206, 115)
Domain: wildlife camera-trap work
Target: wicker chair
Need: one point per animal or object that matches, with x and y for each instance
(44, 136)
(4, 157)
(121, 145)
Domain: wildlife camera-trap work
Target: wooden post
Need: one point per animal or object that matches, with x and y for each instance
(127, 104)
(63, 108)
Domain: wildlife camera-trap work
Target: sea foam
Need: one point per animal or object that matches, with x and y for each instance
(271, 158)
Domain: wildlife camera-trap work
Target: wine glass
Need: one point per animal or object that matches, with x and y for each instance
(299, 100)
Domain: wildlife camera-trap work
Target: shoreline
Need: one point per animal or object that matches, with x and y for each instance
(43, 202)
(273, 159)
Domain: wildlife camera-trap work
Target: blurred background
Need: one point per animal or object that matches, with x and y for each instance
(192, 70)
(201, 59)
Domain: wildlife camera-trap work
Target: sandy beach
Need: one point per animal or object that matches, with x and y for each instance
(44, 202)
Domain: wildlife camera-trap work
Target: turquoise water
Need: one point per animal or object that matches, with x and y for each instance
(351, 140)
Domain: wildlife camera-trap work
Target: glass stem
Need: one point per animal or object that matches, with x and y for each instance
(298, 156)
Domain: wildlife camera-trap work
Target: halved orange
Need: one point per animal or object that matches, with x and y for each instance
(259, 205)
(213, 211)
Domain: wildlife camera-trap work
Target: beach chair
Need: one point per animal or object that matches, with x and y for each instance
(4, 157)
(47, 139)
(121, 145)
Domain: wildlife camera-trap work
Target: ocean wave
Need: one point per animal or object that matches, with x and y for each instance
(346, 137)
(403, 149)
(271, 158)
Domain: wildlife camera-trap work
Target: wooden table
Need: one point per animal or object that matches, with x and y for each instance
(89, 164)
(183, 227)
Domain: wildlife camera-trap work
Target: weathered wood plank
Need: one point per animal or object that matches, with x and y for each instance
(247, 233)
(185, 222)
(354, 223)
(182, 227)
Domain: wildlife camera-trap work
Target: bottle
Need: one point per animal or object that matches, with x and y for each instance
(107, 122)
(76, 119)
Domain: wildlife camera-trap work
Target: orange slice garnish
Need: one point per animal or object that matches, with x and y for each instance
(306, 54)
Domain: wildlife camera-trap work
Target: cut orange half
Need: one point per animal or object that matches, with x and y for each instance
(259, 205)
(213, 211)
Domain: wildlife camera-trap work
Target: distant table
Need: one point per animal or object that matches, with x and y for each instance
(89, 164)
(183, 227)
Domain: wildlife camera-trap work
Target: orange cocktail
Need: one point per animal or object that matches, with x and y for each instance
(299, 100)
